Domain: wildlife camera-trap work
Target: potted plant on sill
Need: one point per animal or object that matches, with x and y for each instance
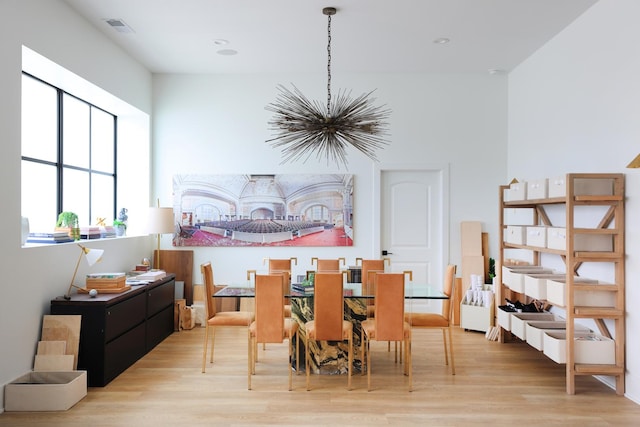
(120, 227)
(68, 221)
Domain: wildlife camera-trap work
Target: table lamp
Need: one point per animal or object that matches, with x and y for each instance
(161, 221)
(92, 256)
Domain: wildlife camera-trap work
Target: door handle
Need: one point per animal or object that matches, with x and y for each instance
(384, 253)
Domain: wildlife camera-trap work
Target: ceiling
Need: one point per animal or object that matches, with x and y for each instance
(290, 36)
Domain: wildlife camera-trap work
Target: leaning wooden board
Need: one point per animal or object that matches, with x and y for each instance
(63, 328)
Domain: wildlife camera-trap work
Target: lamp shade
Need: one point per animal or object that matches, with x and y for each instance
(93, 255)
(160, 221)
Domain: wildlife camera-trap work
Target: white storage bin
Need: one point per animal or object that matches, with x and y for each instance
(476, 318)
(581, 187)
(504, 318)
(519, 322)
(590, 348)
(513, 277)
(557, 239)
(515, 234)
(517, 191)
(596, 298)
(537, 189)
(535, 285)
(45, 391)
(537, 236)
(535, 331)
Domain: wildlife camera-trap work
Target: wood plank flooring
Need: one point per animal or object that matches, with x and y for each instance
(495, 385)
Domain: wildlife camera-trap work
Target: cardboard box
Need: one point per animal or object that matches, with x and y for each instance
(45, 391)
(589, 348)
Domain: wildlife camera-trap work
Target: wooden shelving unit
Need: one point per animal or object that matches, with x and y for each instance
(611, 224)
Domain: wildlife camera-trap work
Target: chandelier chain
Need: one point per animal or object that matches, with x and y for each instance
(329, 65)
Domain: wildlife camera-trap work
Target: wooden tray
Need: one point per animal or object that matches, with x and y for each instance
(106, 291)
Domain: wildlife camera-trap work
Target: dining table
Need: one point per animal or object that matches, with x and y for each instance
(330, 357)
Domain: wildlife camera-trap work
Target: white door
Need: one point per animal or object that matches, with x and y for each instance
(413, 224)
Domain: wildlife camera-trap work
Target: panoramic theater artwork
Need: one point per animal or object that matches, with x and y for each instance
(263, 210)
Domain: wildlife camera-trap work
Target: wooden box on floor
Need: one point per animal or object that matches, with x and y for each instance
(45, 391)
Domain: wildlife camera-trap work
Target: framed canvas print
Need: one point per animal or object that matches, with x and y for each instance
(264, 210)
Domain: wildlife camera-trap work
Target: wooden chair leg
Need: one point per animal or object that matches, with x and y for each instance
(249, 360)
(213, 341)
(204, 351)
(444, 341)
(350, 362)
(453, 366)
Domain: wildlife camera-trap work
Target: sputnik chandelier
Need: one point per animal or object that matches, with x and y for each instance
(304, 127)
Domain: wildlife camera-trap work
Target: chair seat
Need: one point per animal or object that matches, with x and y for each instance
(371, 311)
(426, 320)
(347, 329)
(231, 318)
(369, 327)
(287, 310)
(290, 328)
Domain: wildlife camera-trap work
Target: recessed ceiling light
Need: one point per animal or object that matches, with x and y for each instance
(220, 42)
(494, 71)
(119, 25)
(441, 40)
(227, 52)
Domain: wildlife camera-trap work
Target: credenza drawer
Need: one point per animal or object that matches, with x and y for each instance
(124, 315)
(160, 298)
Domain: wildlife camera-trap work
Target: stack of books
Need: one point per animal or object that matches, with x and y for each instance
(55, 237)
(90, 232)
(303, 288)
(107, 231)
(151, 275)
(107, 282)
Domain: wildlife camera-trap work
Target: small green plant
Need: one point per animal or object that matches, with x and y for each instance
(118, 223)
(492, 268)
(67, 219)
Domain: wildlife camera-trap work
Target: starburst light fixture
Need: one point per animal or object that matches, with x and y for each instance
(304, 127)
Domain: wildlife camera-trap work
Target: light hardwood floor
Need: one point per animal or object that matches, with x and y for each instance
(495, 385)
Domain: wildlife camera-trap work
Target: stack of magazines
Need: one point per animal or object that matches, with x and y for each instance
(306, 287)
(55, 237)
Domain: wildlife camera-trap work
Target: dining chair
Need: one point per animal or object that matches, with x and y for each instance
(368, 288)
(328, 264)
(440, 321)
(270, 325)
(282, 265)
(388, 324)
(328, 323)
(217, 318)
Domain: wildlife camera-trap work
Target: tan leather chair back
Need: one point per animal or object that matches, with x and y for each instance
(449, 278)
(389, 311)
(209, 288)
(269, 313)
(368, 284)
(328, 306)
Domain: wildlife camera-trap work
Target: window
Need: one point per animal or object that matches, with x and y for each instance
(68, 156)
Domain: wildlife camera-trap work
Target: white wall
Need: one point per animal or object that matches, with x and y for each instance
(574, 106)
(34, 276)
(218, 124)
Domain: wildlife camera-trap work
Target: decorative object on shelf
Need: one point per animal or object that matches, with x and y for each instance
(161, 221)
(303, 127)
(68, 221)
(92, 256)
(120, 227)
(635, 163)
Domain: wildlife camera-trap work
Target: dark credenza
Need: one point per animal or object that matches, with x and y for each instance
(118, 329)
